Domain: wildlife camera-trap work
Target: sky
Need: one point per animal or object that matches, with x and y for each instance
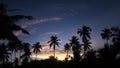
(63, 18)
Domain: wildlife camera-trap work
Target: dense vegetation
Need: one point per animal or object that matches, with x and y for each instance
(108, 55)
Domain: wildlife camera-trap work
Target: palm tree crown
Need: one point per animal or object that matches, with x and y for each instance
(53, 42)
(106, 34)
(7, 25)
(76, 47)
(36, 48)
(84, 33)
(4, 54)
(67, 48)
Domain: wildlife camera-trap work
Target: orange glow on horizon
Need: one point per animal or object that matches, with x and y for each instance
(59, 55)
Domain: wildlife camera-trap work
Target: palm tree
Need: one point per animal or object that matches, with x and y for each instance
(106, 34)
(53, 42)
(4, 54)
(87, 45)
(26, 49)
(91, 55)
(85, 34)
(7, 25)
(13, 48)
(27, 53)
(36, 48)
(67, 48)
(76, 47)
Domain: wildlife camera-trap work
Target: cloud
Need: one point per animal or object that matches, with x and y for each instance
(33, 30)
(51, 33)
(40, 21)
(17, 33)
(35, 22)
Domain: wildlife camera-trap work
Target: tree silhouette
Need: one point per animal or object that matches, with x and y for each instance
(36, 48)
(67, 48)
(27, 52)
(76, 47)
(13, 48)
(106, 34)
(84, 32)
(4, 54)
(87, 45)
(7, 25)
(91, 56)
(53, 42)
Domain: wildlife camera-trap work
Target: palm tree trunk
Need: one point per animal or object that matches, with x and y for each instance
(11, 57)
(107, 41)
(67, 53)
(54, 50)
(15, 55)
(36, 56)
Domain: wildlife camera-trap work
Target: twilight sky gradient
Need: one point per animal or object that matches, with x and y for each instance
(63, 18)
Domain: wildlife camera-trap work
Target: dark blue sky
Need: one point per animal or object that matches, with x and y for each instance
(64, 17)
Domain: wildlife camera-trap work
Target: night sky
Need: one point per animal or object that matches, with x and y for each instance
(63, 18)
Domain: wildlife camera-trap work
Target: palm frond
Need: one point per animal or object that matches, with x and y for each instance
(19, 17)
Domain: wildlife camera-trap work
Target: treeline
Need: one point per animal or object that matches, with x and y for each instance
(83, 53)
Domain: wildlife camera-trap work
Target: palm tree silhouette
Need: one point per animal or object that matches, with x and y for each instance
(27, 53)
(26, 49)
(76, 47)
(87, 45)
(84, 32)
(36, 48)
(106, 34)
(91, 55)
(67, 48)
(7, 24)
(4, 54)
(13, 48)
(53, 42)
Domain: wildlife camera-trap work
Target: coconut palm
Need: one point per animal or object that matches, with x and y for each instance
(87, 45)
(84, 32)
(4, 54)
(53, 42)
(67, 48)
(13, 48)
(76, 47)
(7, 25)
(36, 48)
(106, 34)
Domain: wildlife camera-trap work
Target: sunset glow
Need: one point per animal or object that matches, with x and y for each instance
(60, 56)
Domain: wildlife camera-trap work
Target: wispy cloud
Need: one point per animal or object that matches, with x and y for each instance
(35, 22)
(33, 30)
(17, 33)
(40, 21)
(51, 33)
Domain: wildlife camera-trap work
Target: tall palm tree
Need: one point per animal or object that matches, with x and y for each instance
(26, 49)
(4, 54)
(67, 48)
(13, 48)
(87, 45)
(36, 48)
(84, 32)
(76, 47)
(53, 42)
(27, 53)
(7, 25)
(106, 34)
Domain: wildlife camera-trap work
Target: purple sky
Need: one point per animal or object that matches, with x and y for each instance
(64, 17)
